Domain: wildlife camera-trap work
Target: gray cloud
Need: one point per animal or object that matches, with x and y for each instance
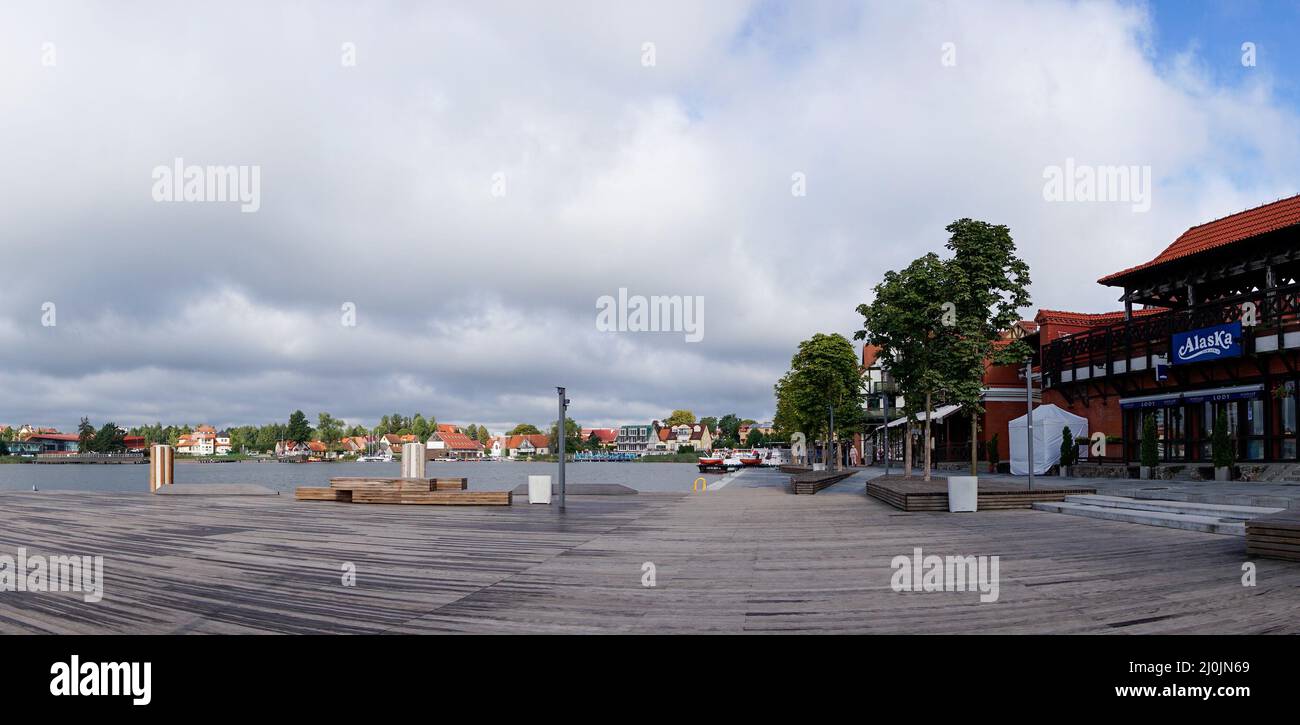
(674, 179)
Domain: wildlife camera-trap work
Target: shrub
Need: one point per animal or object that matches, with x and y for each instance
(1069, 448)
(1221, 442)
(1149, 455)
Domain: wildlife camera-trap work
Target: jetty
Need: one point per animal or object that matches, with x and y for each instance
(745, 557)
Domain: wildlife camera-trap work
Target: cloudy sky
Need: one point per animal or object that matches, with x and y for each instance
(474, 176)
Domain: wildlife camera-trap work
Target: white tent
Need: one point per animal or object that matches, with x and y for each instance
(1048, 422)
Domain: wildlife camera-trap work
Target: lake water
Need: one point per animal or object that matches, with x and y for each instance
(287, 476)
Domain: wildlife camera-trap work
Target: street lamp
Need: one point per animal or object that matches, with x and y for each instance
(1029, 418)
(561, 432)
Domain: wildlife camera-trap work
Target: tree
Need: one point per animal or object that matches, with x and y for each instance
(471, 431)
(358, 431)
(989, 285)
(729, 424)
(298, 430)
(907, 320)
(85, 435)
(524, 429)
(109, 439)
(484, 436)
(593, 442)
(755, 438)
(329, 429)
(421, 428)
(680, 417)
(823, 374)
(710, 422)
(572, 435)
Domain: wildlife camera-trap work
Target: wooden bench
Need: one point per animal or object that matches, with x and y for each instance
(1276, 536)
(812, 482)
(319, 493)
(425, 491)
(435, 498)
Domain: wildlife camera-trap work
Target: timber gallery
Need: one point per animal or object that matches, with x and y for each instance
(1210, 327)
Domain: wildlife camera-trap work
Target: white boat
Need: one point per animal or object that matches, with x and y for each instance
(375, 459)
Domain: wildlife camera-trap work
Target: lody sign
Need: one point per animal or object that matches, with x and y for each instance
(1207, 343)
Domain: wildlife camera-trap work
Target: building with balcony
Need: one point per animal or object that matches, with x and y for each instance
(1210, 326)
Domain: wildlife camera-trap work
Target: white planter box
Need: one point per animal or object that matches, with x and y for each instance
(539, 489)
(963, 492)
(819, 466)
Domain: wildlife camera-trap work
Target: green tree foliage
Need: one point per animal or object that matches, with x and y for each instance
(572, 436)
(484, 436)
(524, 429)
(85, 435)
(329, 429)
(298, 430)
(710, 422)
(680, 417)
(421, 428)
(755, 438)
(823, 373)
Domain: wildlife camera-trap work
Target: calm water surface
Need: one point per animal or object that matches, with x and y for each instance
(287, 476)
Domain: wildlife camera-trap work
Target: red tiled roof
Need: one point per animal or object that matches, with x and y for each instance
(1222, 232)
(460, 442)
(538, 441)
(54, 437)
(605, 435)
(316, 446)
(1090, 319)
(869, 355)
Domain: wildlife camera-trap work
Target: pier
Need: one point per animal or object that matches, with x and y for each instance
(91, 458)
(747, 557)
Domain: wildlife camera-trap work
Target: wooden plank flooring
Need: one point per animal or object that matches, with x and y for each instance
(746, 558)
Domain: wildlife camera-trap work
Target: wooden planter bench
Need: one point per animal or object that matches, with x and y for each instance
(422, 491)
(1276, 536)
(810, 483)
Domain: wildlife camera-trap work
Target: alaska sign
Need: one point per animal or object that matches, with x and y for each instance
(1207, 343)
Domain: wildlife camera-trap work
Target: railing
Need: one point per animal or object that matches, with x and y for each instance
(1277, 311)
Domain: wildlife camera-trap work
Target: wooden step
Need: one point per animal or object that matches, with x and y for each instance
(321, 493)
(434, 498)
(450, 484)
(382, 484)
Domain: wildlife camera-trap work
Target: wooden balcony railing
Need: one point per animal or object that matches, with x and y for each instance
(1108, 350)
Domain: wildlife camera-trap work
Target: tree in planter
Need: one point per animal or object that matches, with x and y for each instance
(1069, 449)
(823, 373)
(1221, 442)
(1148, 455)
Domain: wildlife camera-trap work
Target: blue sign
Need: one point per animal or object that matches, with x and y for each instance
(1207, 343)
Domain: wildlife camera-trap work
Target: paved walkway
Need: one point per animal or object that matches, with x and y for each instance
(746, 558)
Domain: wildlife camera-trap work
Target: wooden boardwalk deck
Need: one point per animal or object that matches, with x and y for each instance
(914, 494)
(740, 559)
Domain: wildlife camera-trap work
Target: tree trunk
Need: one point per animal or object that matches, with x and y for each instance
(974, 445)
(907, 449)
(926, 442)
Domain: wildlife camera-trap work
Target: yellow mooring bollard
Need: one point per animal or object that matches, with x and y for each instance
(700, 484)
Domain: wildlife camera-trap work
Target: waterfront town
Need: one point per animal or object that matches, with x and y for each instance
(952, 317)
(1198, 371)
